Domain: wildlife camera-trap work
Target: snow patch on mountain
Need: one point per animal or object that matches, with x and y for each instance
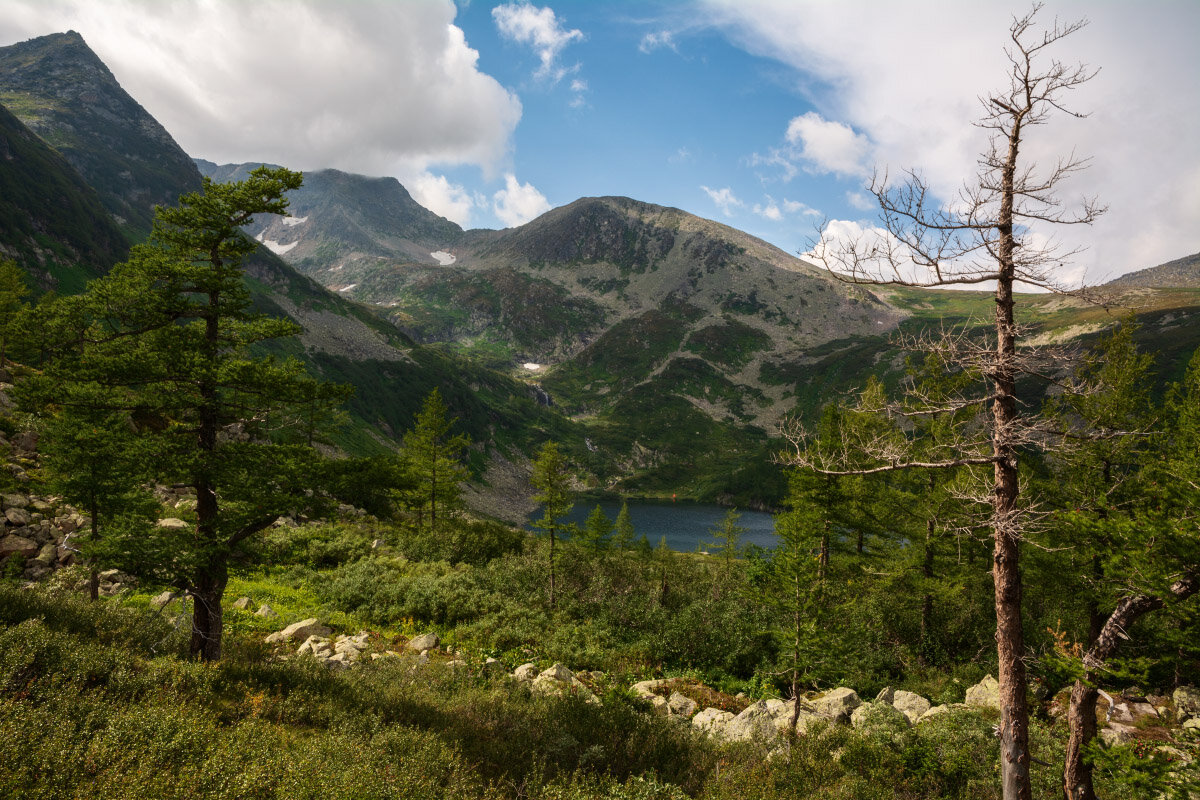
(443, 258)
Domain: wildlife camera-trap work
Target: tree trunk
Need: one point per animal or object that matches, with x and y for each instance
(1081, 715)
(207, 623)
(1006, 534)
(1081, 722)
(552, 569)
(927, 596)
(798, 620)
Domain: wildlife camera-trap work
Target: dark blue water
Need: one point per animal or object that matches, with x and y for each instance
(686, 526)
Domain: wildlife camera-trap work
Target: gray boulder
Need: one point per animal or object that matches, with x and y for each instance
(1187, 702)
(681, 706)
(426, 641)
(526, 673)
(14, 501)
(712, 721)
(173, 524)
(17, 545)
(17, 517)
(985, 694)
(265, 611)
(837, 704)
(885, 696)
(912, 705)
(243, 604)
(299, 631)
(877, 715)
(161, 600)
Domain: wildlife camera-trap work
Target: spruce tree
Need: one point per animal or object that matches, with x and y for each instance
(552, 478)
(433, 458)
(172, 338)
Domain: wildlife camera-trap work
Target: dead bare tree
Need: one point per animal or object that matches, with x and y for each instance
(984, 236)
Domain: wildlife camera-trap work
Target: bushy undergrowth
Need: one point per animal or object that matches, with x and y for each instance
(97, 702)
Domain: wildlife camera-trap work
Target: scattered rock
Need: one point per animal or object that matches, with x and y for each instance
(885, 696)
(13, 501)
(243, 604)
(912, 705)
(265, 611)
(679, 705)
(300, 630)
(173, 524)
(1187, 702)
(837, 704)
(427, 641)
(985, 694)
(160, 601)
(526, 673)
(1116, 733)
(877, 714)
(17, 517)
(17, 545)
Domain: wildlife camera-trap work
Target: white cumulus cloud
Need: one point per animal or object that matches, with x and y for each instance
(371, 86)
(442, 197)
(907, 77)
(657, 39)
(541, 29)
(828, 146)
(724, 199)
(517, 202)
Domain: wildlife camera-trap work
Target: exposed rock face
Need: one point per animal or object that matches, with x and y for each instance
(876, 715)
(713, 721)
(985, 694)
(1187, 702)
(837, 704)
(426, 641)
(910, 704)
(299, 631)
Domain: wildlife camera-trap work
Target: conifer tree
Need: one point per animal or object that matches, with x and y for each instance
(12, 294)
(552, 478)
(623, 532)
(169, 334)
(433, 458)
(596, 533)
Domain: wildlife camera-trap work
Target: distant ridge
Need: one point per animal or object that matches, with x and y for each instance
(1182, 273)
(65, 94)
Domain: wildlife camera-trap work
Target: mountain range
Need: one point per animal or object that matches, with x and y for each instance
(660, 348)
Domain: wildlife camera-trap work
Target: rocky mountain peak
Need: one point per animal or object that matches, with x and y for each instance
(58, 87)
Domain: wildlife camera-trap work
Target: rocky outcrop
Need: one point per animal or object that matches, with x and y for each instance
(985, 694)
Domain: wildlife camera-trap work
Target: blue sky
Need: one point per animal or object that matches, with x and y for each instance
(763, 114)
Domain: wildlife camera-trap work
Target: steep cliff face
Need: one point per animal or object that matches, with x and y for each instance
(51, 222)
(66, 95)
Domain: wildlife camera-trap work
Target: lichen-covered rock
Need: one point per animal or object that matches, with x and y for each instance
(243, 604)
(680, 706)
(943, 709)
(265, 611)
(426, 641)
(299, 631)
(558, 672)
(526, 672)
(712, 721)
(876, 715)
(911, 704)
(173, 524)
(886, 695)
(1187, 702)
(17, 517)
(985, 694)
(837, 704)
(161, 600)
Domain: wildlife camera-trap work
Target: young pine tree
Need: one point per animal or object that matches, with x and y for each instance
(433, 458)
(552, 478)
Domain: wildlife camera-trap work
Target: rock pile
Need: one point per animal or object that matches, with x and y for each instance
(36, 534)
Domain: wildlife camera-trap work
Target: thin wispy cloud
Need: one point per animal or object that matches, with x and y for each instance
(724, 199)
(541, 29)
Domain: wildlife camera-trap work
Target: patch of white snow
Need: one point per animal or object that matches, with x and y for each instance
(292, 221)
(444, 258)
(529, 365)
(347, 288)
(275, 247)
